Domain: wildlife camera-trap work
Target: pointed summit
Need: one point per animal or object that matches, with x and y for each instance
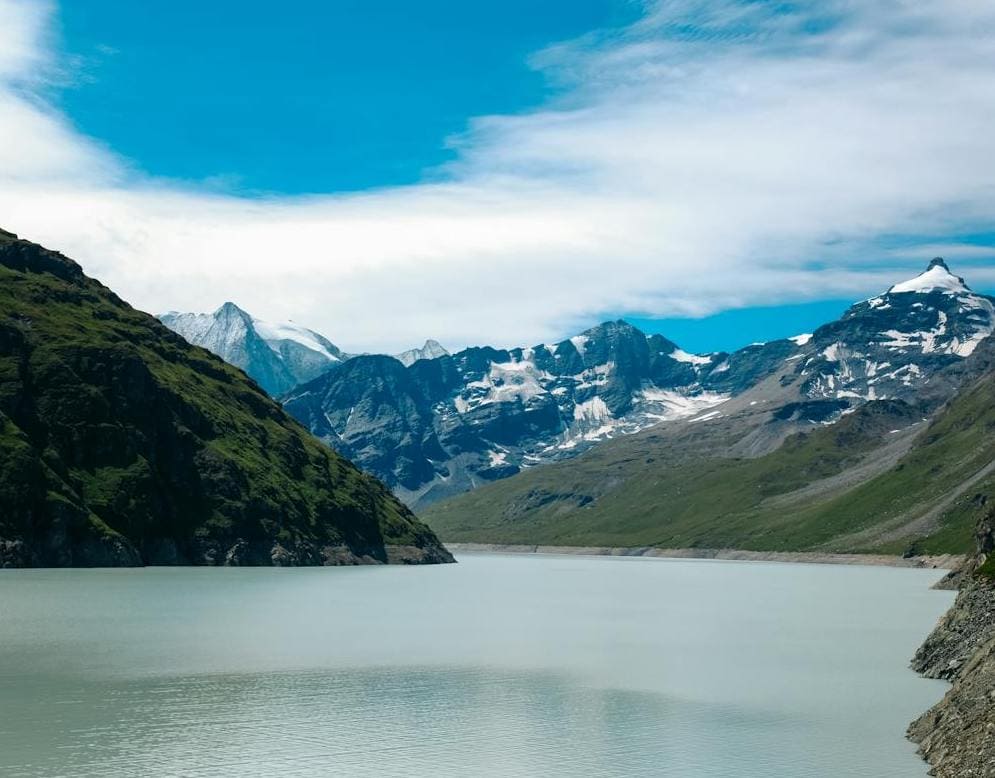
(431, 350)
(278, 355)
(230, 309)
(937, 278)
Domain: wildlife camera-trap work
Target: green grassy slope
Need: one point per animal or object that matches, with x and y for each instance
(829, 489)
(121, 443)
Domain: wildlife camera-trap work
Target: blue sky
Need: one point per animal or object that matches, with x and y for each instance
(503, 173)
(739, 327)
(318, 97)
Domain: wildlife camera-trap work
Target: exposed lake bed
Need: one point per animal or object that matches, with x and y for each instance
(500, 665)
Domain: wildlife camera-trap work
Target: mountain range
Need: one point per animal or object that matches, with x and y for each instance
(433, 424)
(122, 444)
(610, 437)
(878, 437)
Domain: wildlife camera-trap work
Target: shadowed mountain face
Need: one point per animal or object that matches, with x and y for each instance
(120, 444)
(277, 355)
(444, 425)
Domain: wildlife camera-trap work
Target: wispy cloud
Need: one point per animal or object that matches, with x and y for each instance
(712, 155)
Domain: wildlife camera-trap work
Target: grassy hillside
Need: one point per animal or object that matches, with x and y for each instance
(120, 443)
(879, 480)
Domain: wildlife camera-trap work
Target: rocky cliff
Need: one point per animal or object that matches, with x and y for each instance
(957, 737)
(122, 444)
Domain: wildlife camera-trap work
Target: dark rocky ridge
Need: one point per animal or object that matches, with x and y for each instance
(957, 736)
(121, 444)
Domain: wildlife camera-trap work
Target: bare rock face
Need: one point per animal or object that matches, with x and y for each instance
(957, 736)
(965, 629)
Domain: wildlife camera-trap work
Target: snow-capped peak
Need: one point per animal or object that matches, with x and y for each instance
(801, 340)
(936, 278)
(292, 354)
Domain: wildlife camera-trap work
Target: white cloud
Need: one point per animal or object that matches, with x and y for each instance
(23, 25)
(712, 155)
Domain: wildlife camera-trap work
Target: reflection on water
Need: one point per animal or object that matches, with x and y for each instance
(386, 722)
(499, 666)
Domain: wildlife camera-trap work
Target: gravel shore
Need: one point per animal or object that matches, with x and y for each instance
(946, 562)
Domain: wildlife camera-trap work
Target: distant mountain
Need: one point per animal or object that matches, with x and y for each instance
(122, 444)
(888, 345)
(441, 426)
(877, 435)
(431, 350)
(278, 356)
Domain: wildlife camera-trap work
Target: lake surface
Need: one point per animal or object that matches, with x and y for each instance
(497, 666)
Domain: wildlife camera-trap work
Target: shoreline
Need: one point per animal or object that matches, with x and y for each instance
(938, 562)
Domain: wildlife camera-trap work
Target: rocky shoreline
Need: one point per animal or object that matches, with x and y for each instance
(944, 562)
(957, 736)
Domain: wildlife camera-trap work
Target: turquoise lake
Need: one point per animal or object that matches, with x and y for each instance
(497, 666)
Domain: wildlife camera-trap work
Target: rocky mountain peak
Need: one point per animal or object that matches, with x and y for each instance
(278, 355)
(229, 310)
(889, 346)
(431, 350)
(619, 328)
(936, 278)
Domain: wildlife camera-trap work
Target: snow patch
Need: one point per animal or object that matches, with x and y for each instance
(275, 332)
(498, 458)
(667, 404)
(592, 410)
(693, 359)
(937, 278)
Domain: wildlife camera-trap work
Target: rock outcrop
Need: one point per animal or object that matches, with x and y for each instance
(957, 736)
